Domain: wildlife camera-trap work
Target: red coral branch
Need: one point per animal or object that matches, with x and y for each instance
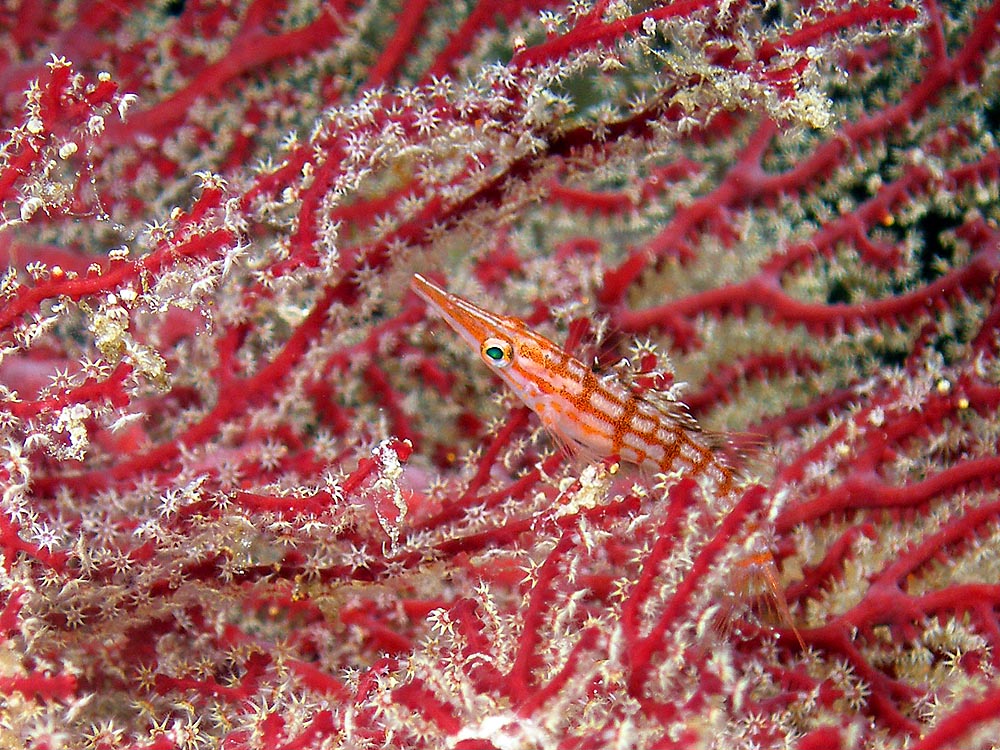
(249, 496)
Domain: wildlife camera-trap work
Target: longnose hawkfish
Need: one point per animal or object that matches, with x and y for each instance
(601, 417)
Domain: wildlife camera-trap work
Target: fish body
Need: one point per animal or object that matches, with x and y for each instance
(591, 415)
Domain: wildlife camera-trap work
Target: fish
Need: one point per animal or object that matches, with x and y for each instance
(600, 417)
(589, 415)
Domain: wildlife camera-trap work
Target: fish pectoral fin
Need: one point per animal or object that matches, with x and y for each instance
(570, 445)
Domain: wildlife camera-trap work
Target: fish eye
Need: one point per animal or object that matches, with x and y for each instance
(497, 352)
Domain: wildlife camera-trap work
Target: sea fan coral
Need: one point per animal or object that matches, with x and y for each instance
(254, 496)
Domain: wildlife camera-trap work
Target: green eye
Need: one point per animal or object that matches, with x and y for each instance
(497, 352)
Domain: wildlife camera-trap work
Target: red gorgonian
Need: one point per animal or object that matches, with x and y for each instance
(253, 496)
